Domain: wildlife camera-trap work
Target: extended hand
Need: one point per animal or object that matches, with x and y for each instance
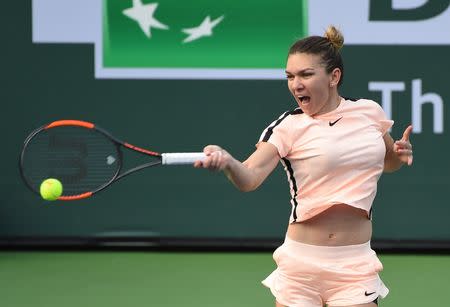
(403, 147)
(217, 159)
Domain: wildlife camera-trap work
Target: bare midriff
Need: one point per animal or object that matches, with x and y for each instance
(337, 226)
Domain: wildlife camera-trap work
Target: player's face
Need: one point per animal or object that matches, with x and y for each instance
(309, 83)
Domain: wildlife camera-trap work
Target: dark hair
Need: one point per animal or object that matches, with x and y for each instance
(326, 46)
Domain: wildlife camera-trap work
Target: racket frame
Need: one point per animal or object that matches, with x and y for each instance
(117, 142)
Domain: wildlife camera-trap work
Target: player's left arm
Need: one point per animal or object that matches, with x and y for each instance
(397, 152)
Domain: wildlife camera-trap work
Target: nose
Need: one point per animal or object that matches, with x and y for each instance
(297, 84)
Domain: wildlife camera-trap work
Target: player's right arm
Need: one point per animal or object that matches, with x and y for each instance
(247, 175)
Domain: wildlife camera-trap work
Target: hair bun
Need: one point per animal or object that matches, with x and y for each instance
(335, 37)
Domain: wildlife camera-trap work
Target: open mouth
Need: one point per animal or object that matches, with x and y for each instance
(303, 99)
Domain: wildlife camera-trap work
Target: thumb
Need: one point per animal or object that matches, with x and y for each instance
(211, 148)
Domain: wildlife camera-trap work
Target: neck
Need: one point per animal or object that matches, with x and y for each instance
(333, 104)
(335, 101)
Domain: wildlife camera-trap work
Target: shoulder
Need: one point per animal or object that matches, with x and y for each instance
(362, 103)
(369, 110)
(287, 117)
(282, 125)
(292, 113)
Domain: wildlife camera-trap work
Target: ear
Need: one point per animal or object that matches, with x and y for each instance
(335, 77)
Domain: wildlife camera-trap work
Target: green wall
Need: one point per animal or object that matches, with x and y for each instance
(45, 82)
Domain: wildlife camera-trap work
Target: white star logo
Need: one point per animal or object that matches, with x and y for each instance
(143, 15)
(204, 29)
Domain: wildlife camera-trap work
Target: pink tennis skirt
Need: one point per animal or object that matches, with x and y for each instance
(310, 275)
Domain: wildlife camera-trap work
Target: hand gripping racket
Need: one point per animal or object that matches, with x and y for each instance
(84, 157)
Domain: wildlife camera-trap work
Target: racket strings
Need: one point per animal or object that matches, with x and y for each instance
(83, 159)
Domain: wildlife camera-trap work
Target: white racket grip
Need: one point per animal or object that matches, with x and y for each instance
(179, 158)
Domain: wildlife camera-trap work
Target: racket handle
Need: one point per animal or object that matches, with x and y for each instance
(178, 158)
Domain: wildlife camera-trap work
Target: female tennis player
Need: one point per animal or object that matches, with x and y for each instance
(334, 150)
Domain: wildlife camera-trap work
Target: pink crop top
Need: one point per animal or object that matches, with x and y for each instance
(332, 158)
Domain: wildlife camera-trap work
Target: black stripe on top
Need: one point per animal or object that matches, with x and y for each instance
(269, 131)
(288, 165)
(351, 99)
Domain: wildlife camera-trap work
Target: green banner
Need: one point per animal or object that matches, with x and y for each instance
(200, 33)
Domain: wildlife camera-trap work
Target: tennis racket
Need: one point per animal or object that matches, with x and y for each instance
(84, 157)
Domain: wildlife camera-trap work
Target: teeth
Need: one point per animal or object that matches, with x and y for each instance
(302, 98)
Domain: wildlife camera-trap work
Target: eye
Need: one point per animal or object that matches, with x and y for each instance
(290, 77)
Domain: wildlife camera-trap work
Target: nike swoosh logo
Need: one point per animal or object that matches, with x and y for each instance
(332, 123)
(369, 294)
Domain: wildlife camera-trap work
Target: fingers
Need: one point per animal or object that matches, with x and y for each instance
(410, 160)
(403, 147)
(215, 159)
(210, 149)
(407, 133)
(198, 164)
(407, 152)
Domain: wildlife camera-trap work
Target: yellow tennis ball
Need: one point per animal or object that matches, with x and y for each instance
(51, 189)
